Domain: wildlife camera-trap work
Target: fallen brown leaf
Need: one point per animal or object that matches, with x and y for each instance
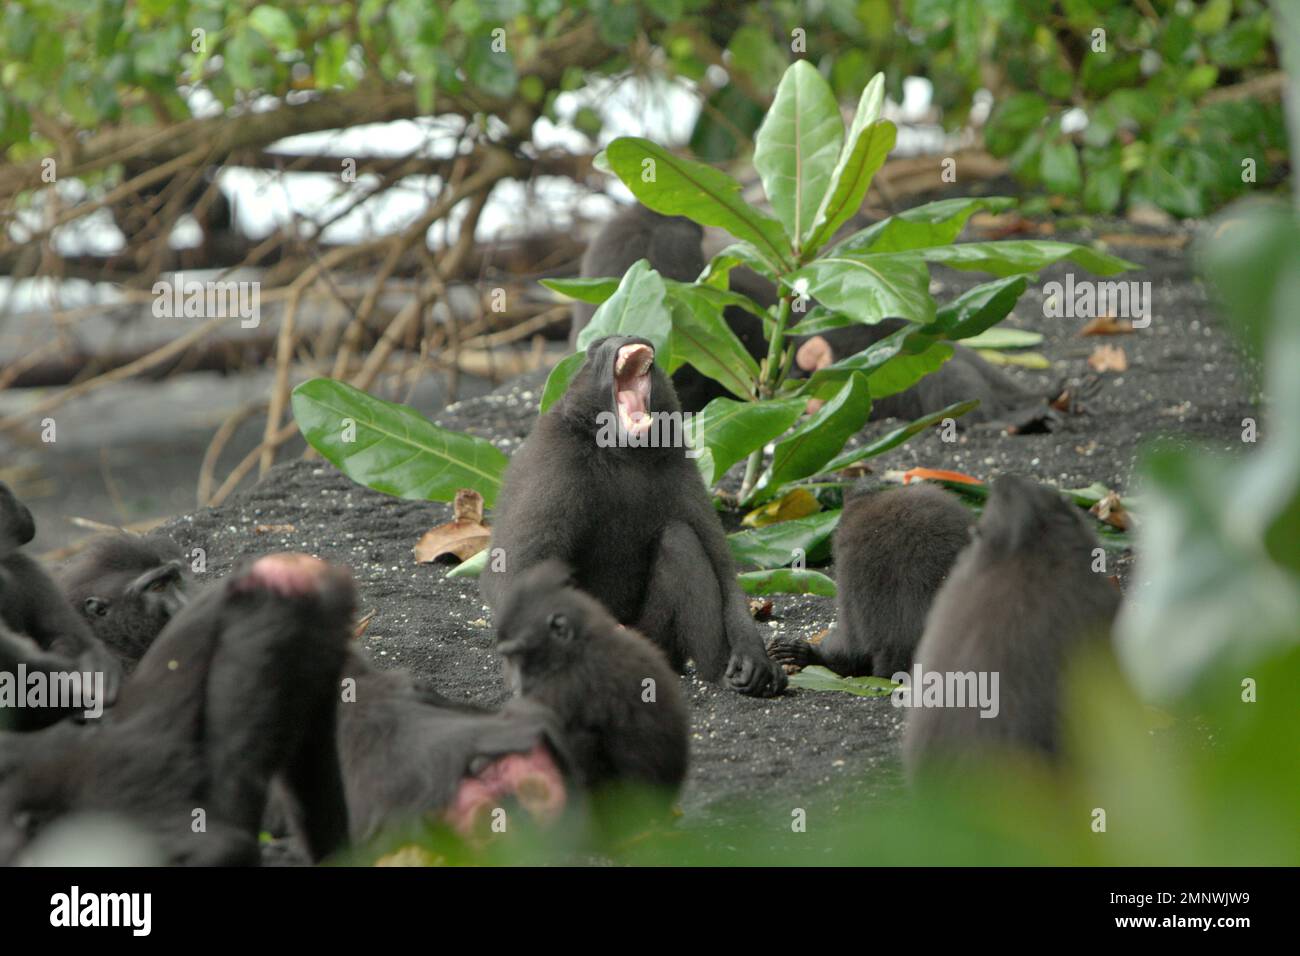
(362, 624)
(468, 506)
(462, 537)
(1107, 325)
(1111, 510)
(1142, 241)
(1108, 358)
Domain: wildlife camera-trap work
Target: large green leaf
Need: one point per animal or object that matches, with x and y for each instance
(870, 288)
(816, 440)
(786, 581)
(890, 364)
(869, 141)
(821, 678)
(1016, 256)
(557, 383)
(932, 224)
(594, 291)
(730, 430)
(776, 545)
(702, 338)
(394, 449)
(980, 308)
(897, 436)
(675, 186)
(796, 148)
(637, 307)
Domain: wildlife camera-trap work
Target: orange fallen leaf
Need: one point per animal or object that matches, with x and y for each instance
(362, 624)
(1108, 358)
(938, 474)
(462, 537)
(1107, 325)
(1111, 510)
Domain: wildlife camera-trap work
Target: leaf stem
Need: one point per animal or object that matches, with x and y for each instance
(773, 372)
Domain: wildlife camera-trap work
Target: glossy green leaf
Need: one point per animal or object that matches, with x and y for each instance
(637, 307)
(822, 679)
(932, 224)
(1016, 256)
(798, 145)
(675, 186)
(393, 448)
(730, 430)
(899, 435)
(871, 287)
(779, 544)
(702, 338)
(557, 383)
(594, 291)
(786, 581)
(980, 308)
(868, 143)
(815, 441)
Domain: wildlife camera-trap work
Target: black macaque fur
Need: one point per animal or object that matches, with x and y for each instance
(407, 751)
(892, 550)
(37, 627)
(1021, 599)
(620, 705)
(127, 588)
(241, 687)
(635, 528)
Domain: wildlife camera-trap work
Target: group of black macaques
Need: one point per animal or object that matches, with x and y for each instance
(248, 706)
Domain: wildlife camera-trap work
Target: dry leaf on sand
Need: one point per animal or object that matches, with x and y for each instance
(1107, 325)
(462, 537)
(1111, 510)
(1108, 358)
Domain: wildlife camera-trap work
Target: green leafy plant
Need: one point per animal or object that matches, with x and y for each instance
(816, 174)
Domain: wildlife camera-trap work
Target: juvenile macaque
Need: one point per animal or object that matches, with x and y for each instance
(892, 550)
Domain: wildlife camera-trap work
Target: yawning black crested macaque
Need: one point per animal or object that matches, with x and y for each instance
(601, 486)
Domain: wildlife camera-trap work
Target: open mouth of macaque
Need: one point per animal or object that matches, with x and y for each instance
(632, 386)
